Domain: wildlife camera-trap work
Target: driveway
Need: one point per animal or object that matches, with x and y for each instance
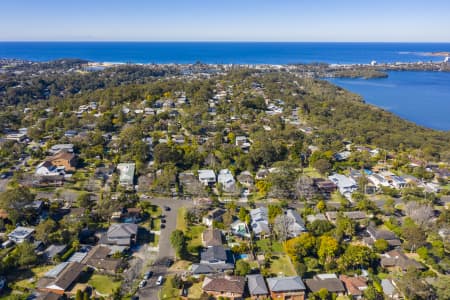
(150, 291)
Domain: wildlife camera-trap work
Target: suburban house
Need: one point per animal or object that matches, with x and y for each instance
(121, 234)
(53, 251)
(60, 279)
(396, 259)
(213, 216)
(212, 237)
(240, 228)
(46, 168)
(63, 160)
(214, 259)
(99, 258)
(126, 176)
(346, 185)
(286, 288)
(376, 234)
(246, 179)
(260, 221)
(356, 216)
(61, 147)
(207, 177)
(230, 287)
(243, 142)
(226, 180)
(330, 282)
(127, 215)
(389, 289)
(21, 234)
(316, 217)
(355, 285)
(257, 287)
(378, 180)
(324, 186)
(296, 225)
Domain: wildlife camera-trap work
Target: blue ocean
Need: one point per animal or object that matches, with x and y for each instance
(421, 97)
(224, 52)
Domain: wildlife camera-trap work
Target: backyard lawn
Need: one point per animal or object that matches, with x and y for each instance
(264, 246)
(103, 284)
(281, 265)
(168, 291)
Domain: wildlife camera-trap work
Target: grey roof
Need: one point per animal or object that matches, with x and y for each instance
(77, 257)
(257, 285)
(202, 269)
(388, 287)
(53, 273)
(333, 285)
(214, 253)
(298, 225)
(54, 250)
(122, 230)
(284, 284)
(21, 232)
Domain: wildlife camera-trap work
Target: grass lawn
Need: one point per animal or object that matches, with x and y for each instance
(264, 246)
(103, 284)
(168, 291)
(181, 222)
(180, 265)
(281, 265)
(154, 240)
(311, 172)
(195, 291)
(194, 235)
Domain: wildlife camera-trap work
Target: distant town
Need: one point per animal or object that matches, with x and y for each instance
(201, 181)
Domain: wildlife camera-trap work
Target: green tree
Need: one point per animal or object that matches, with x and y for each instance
(371, 293)
(328, 248)
(274, 211)
(243, 213)
(17, 202)
(25, 254)
(79, 295)
(322, 166)
(319, 227)
(356, 257)
(242, 268)
(178, 242)
(45, 230)
(380, 246)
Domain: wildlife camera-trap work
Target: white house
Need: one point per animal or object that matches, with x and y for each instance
(46, 168)
(346, 185)
(226, 179)
(207, 176)
(21, 234)
(126, 177)
(378, 180)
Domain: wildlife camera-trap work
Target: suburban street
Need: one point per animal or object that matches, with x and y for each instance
(159, 268)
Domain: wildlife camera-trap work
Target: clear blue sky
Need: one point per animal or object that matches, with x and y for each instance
(225, 20)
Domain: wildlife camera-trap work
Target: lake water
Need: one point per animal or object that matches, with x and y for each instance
(421, 97)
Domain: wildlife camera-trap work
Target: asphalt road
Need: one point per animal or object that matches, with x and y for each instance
(159, 268)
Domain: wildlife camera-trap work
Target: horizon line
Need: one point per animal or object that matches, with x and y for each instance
(218, 41)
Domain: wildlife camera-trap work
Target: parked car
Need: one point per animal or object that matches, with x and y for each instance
(160, 280)
(169, 262)
(163, 221)
(163, 226)
(166, 208)
(142, 283)
(147, 275)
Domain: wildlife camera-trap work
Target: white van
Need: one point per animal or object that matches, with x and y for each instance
(160, 280)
